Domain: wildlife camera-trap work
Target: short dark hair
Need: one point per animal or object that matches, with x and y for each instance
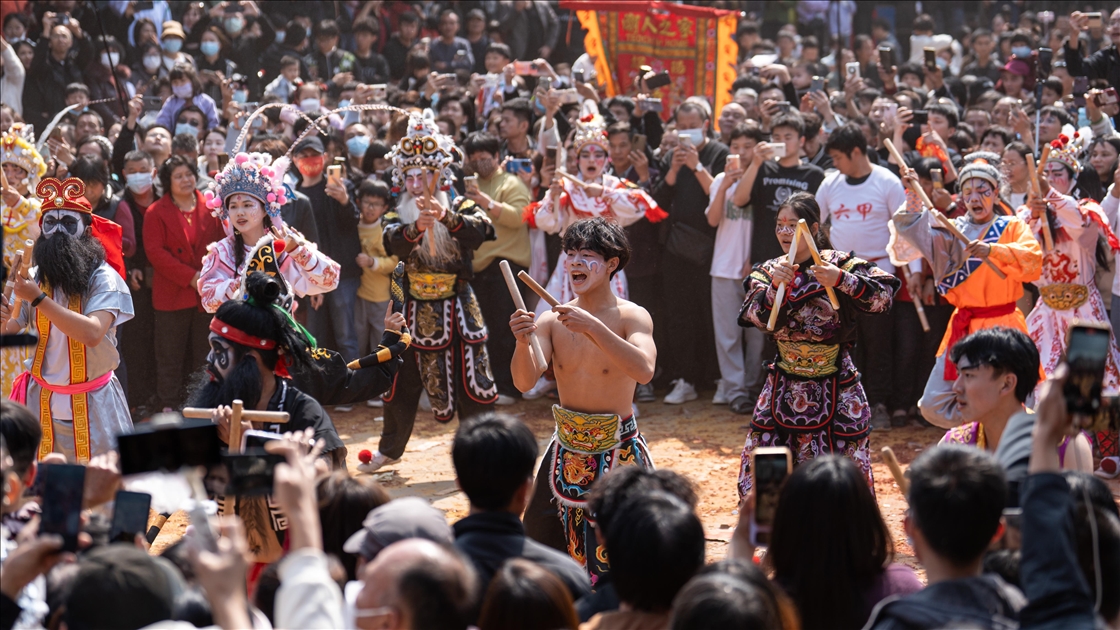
(1058, 112)
(957, 495)
(288, 61)
(923, 23)
(695, 108)
(327, 28)
(77, 88)
(90, 168)
(172, 163)
(494, 454)
(185, 142)
(848, 138)
(344, 502)
(139, 155)
(522, 594)
(1006, 350)
(366, 25)
(371, 187)
(911, 68)
(438, 594)
(620, 127)
(611, 493)
(520, 108)
(482, 141)
(1004, 133)
(409, 17)
(948, 111)
(624, 101)
(744, 130)
(500, 48)
(655, 550)
(792, 120)
(22, 434)
(720, 600)
(600, 236)
(186, 71)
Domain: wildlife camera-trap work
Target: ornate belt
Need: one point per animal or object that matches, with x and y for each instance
(431, 286)
(1063, 297)
(808, 360)
(587, 432)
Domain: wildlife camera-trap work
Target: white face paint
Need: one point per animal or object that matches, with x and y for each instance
(221, 354)
(585, 268)
(69, 221)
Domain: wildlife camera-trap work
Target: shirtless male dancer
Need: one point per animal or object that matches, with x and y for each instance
(601, 347)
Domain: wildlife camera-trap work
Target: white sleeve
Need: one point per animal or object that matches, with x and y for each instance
(307, 597)
(713, 191)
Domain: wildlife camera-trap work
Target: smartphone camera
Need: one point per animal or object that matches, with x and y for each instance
(1086, 353)
(920, 117)
(771, 466)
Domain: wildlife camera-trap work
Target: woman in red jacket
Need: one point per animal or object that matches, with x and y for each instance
(177, 229)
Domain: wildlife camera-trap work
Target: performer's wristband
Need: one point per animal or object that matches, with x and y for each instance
(42, 296)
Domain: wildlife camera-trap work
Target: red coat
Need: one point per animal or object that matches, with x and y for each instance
(175, 249)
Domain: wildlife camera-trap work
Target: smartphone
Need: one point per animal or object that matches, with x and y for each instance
(783, 107)
(779, 149)
(930, 57)
(1080, 86)
(63, 486)
(223, 159)
(195, 442)
(250, 474)
(152, 103)
(549, 156)
(732, 162)
(203, 534)
(130, 515)
(525, 68)
(890, 113)
(921, 117)
(379, 91)
(770, 465)
(938, 180)
(639, 143)
(817, 85)
(1045, 60)
(568, 96)
(886, 57)
(470, 183)
(1086, 352)
(650, 105)
(546, 83)
(255, 439)
(661, 79)
(519, 165)
(1105, 98)
(684, 139)
(577, 76)
(851, 69)
(334, 172)
(1094, 19)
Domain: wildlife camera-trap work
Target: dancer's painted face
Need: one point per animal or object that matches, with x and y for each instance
(245, 212)
(67, 221)
(1059, 178)
(416, 181)
(592, 161)
(786, 227)
(586, 269)
(221, 355)
(979, 197)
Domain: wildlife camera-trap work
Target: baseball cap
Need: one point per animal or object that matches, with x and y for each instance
(399, 519)
(310, 142)
(118, 586)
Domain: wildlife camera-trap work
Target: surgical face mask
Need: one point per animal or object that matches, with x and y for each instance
(1021, 51)
(309, 105)
(151, 63)
(209, 48)
(344, 103)
(183, 91)
(186, 128)
(139, 183)
(111, 59)
(280, 37)
(173, 45)
(357, 145)
(240, 96)
(68, 221)
(234, 25)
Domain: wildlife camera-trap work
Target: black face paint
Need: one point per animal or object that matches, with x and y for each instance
(221, 354)
(67, 222)
(66, 262)
(210, 388)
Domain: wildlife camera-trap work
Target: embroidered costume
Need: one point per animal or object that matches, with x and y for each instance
(449, 359)
(972, 434)
(812, 401)
(307, 270)
(982, 299)
(585, 447)
(69, 386)
(21, 223)
(621, 200)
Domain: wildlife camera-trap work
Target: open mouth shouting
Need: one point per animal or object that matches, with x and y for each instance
(578, 277)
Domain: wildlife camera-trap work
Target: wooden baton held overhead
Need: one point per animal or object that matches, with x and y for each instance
(1036, 190)
(792, 258)
(803, 228)
(941, 218)
(536, 353)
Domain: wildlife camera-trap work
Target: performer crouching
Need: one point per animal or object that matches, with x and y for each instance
(601, 347)
(812, 401)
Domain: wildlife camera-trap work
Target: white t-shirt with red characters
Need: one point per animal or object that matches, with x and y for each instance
(859, 210)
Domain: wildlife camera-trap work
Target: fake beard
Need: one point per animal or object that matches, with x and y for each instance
(243, 382)
(66, 262)
(447, 248)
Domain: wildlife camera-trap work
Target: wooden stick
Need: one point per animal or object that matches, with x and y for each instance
(252, 415)
(1042, 159)
(10, 285)
(921, 312)
(948, 225)
(536, 352)
(572, 178)
(1036, 191)
(545, 295)
(896, 470)
(803, 229)
(792, 258)
(429, 194)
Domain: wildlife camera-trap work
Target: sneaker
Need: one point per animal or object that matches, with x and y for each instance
(1109, 468)
(344, 408)
(378, 462)
(542, 387)
(899, 418)
(880, 419)
(505, 400)
(425, 403)
(644, 393)
(376, 403)
(683, 391)
(743, 405)
(721, 394)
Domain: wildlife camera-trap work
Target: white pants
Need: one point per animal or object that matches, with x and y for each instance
(738, 349)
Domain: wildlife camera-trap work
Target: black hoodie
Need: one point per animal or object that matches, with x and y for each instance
(985, 601)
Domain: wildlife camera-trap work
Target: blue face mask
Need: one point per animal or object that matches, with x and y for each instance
(1021, 51)
(280, 37)
(209, 48)
(234, 25)
(173, 45)
(344, 103)
(186, 128)
(240, 96)
(357, 145)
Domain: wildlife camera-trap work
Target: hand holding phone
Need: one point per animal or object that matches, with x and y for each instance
(62, 489)
(770, 466)
(130, 515)
(1087, 349)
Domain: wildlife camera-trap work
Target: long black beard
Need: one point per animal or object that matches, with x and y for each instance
(243, 383)
(66, 262)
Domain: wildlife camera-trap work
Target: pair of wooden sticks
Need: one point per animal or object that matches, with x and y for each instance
(802, 231)
(1036, 190)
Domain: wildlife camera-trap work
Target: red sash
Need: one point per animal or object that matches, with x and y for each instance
(958, 328)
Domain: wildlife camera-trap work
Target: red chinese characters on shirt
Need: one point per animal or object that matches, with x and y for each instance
(844, 212)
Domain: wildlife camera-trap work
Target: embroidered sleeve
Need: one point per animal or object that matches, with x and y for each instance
(313, 272)
(474, 227)
(871, 288)
(217, 281)
(548, 217)
(759, 300)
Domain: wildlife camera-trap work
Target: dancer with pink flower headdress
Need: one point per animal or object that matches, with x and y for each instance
(247, 196)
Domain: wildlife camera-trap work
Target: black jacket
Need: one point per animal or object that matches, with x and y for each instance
(491, 538)
(985, 601)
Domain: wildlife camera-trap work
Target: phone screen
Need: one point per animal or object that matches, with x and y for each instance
(63, 486)
(1080, 86)
(935, 175)
(661, 79)
(639, 143)
(1086, 353)
(147, 449)
(250, 474)
(930, 57)
(886, 57)
(770, 470)
(130, 515)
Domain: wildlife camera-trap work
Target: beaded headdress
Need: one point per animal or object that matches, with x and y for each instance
(1064, 150)
(591, 129)
(17, 146)
(253, 174)
(423, 147)
(982, 165)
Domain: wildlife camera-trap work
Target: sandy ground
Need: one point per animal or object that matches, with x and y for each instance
(697, 439)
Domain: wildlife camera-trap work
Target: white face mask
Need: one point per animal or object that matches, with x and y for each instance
(151, 62)
(309, 105)
(139, 183)
(111, 59)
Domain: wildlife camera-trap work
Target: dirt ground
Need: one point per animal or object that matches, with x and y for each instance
(697, 439)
